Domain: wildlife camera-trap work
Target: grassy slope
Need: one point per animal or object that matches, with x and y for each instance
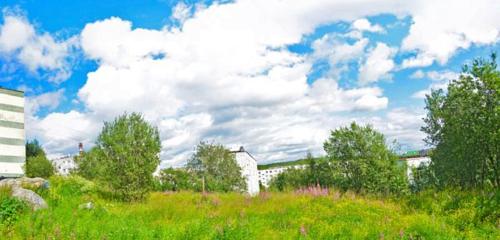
(232, 216)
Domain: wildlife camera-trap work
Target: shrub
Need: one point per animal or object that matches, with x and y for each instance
(39, 166)
(362, 158)
(179, 179)
(128, 153)
(10, 207)
(217, 167)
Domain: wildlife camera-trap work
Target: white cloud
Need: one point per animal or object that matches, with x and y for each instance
(50, 100)
(417, 74)
(181, 12)
(338, 52)
(225, 75)
(440, 28)
(377, 65)
(439, 80)
(326, 96)
(37, 51)
(363, 24)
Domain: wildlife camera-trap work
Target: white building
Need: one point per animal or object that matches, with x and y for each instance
(64, 165)
(12, 140)
(248, 166)
(266, 175)
(415, 162)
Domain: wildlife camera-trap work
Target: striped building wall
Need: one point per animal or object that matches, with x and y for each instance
(12, 140)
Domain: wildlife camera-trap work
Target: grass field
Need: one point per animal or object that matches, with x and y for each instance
(187, 215)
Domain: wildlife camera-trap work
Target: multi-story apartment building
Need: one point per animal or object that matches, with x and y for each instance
(12, 139)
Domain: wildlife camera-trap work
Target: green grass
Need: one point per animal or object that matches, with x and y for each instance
(188, 215)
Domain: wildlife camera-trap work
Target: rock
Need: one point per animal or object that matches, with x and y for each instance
(25, 182)
(88, 205)
(30, 197)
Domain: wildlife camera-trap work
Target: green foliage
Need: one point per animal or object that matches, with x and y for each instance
(179, 179)
(187, 215)
(218, 168)
(88, 164)
(39, 166)
(10, 207)
(463, 208)
(34, 149)
(423, 178)
(125, 156)
(363, 160)
(464, 126)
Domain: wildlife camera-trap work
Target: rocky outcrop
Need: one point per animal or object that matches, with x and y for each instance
(18, 186)
(30, 197)
(25, 182)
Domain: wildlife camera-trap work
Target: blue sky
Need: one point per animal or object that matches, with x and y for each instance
(275, 77)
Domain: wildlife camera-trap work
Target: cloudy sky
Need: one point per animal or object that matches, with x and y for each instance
(274, 76)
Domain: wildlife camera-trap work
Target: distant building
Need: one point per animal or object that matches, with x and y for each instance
(64, 165)
(266, 175)
(12, 140)
(248, 166)
(414, 159)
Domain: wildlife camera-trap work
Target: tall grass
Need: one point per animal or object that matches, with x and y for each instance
(187, 215)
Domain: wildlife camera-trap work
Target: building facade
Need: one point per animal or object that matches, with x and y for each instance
(12, 139)
(64, 165)
(248, 166)
(266, 175)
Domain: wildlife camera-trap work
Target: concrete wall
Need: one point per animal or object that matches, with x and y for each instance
(12, 140)
(249, 171)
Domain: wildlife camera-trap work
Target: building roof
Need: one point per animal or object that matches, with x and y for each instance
(8, 90)
(242, 150)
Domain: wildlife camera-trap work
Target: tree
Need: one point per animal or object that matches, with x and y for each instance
(463, 124)
(89, 165)
(33, 149)
(179, 179)
(39, 166)
(127, 150)
(363, 160)
(218, 168)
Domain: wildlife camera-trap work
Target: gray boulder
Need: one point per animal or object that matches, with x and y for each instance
(25, 181)
(30, 197)
(87, 205)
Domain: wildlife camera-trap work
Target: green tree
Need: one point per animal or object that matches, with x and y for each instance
(39, 166)
(363, 160)
(463, 124)
(89, 165)
(217, 167)
(33, 149)
(127, 151)
(179, 179)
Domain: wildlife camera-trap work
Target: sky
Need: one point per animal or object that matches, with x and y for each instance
(270, 75)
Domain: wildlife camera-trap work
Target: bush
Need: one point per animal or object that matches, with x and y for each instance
(10, 207)
(128, 152)
(360, 155)
(39, 166)
(217, 166)
(177, 179)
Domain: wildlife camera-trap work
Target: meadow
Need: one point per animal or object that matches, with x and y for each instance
(271, 215)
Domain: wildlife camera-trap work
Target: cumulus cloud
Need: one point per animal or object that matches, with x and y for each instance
(440, 28)
(338, 52)
(181, 12)
(50, 100)
(37, 51)
(440, 80)
(224, 75)
(363, 24)
(377, 65)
